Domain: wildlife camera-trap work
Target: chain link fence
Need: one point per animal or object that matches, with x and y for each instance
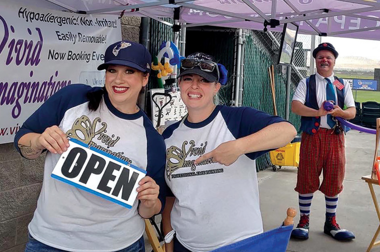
(261, 51)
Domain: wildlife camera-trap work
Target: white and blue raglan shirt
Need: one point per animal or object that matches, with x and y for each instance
(69, 218)
(215, 205)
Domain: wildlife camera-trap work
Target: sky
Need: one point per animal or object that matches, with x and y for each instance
(367, 50)
(355, 47)
(348, 47)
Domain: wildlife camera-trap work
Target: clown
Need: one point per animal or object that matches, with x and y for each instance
(322, 144)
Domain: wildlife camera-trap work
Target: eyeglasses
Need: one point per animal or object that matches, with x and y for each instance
(206, 66)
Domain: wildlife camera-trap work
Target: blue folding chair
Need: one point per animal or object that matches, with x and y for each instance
(275, 240)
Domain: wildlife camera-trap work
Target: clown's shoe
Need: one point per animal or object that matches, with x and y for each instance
(332, 228)
(301, 232)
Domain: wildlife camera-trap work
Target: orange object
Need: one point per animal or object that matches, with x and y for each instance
(376, 158)
(291, 213)
(376, 167)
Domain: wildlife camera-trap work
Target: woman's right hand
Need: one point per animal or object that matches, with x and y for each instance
(53, 139)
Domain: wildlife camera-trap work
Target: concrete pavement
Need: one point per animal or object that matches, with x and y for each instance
(356, 211)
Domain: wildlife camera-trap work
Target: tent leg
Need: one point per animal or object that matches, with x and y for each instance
(289, 80)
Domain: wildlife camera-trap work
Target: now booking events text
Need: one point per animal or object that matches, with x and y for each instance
(71, 55)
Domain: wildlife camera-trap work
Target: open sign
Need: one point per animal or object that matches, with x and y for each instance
(99, 173)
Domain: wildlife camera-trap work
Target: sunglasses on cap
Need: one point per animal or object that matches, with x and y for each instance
(206, 66)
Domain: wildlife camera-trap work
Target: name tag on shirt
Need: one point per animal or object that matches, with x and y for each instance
(99, 173)
(339, 85)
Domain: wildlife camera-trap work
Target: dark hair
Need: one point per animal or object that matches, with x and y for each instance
(94, 98)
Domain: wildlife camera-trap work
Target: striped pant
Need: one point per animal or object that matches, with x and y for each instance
(325, 152)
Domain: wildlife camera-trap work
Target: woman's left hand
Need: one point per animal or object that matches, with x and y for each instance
(148, 192)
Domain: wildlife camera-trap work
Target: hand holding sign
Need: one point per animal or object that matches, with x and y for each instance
(148, 192)
(54, 140)
(101, 174)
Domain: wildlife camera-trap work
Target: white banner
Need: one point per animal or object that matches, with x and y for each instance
(99, 173)
(42, 51)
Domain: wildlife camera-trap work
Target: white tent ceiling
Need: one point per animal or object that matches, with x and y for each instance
(340, 18)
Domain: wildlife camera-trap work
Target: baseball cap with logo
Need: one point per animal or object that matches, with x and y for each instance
(201, 64)
(325, 46)
(127, 53)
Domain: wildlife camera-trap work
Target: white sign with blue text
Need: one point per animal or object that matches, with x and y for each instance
(99, 173)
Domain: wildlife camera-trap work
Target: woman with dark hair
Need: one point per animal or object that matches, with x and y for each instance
(70, 219)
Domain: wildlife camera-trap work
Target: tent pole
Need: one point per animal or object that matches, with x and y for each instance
(145, 32)
(312, 47)
(183, 40)
(176, 43)
(241, 85)
(238, 65)
(274, 9)
(177, 33)
(289, 80)
(145, 41)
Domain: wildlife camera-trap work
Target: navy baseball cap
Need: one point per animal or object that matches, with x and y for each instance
(127, 53)
(325, 46)
(197, 69)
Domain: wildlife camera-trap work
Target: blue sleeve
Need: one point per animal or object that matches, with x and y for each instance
(53, 110)
(166, 134)
(169, 130)
(156, 152)
(244, 121)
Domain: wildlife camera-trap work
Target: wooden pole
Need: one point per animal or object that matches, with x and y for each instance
(152, 237)
(272, 84)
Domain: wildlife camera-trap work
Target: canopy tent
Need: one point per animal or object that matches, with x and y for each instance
(340, 18)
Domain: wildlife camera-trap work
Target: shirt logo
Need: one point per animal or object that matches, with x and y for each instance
(176, 158)
(87, 131)
(84, 130)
